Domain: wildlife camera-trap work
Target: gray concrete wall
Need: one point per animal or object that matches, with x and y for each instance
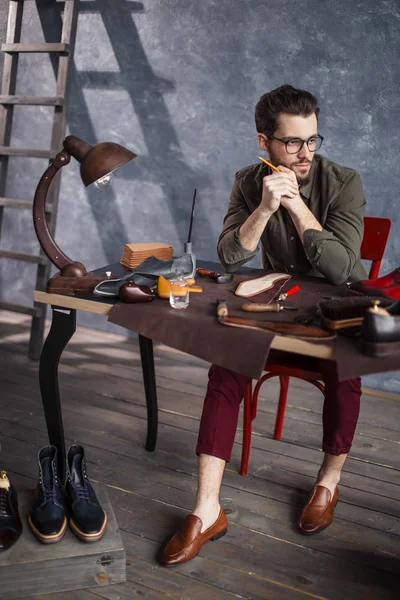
(176, 81)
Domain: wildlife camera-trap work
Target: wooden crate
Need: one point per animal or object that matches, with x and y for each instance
(30, 567)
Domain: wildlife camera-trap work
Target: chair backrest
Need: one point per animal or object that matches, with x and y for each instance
(376, 233)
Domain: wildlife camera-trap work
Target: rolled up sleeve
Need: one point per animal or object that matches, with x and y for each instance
(230, 251)
(335, 250)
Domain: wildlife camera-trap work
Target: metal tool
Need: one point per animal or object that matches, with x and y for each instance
(218, 277)
(290, 292)
(274, 307)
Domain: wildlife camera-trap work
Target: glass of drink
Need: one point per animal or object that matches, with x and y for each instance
(179, 293)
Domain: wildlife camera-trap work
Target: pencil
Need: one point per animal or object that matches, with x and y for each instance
(269, 164)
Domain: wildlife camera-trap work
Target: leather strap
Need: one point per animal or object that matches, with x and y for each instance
(279, 327)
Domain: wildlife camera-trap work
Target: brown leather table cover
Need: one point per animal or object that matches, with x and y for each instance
(196, 330)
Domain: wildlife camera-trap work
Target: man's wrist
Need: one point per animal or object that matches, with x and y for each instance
(263, 213)
(295, 206)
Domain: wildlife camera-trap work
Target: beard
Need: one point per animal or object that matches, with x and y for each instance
(301, 179)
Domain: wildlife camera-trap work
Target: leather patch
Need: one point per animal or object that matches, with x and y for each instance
(252, 287)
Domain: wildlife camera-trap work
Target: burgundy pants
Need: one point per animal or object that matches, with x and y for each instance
(225, 392)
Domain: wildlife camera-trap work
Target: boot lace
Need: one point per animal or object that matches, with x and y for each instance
(4, 506)
(82, 492)
(50, 495)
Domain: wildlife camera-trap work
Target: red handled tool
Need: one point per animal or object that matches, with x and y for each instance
(290, 292)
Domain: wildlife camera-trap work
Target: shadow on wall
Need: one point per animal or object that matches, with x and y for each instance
(165, 165)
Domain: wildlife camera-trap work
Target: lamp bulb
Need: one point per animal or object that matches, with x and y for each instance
(104, 183)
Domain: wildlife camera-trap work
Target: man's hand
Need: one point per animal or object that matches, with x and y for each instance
(300, 214)
(276, 187)
(292, 203)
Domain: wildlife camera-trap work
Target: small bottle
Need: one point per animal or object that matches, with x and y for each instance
(179, 292)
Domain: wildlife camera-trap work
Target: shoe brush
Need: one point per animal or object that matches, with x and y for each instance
(340, 313)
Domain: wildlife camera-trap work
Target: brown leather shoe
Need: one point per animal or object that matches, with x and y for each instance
(318, 512)
(186, 544)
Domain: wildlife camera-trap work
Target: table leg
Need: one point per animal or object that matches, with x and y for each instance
(63, 327)
(149, 378)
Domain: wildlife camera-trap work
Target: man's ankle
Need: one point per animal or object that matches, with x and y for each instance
(208, 513)
(329, 479)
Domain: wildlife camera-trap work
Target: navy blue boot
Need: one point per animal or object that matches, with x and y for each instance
(88, 520)
(47, 519)
(10, 522)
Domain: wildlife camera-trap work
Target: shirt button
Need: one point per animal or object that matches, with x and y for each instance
(292, 266)
(292, 238)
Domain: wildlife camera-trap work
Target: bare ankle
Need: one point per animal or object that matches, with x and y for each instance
(207, 512)
(329, 479)
(329, 474)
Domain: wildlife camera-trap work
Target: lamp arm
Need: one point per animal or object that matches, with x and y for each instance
(50, 248)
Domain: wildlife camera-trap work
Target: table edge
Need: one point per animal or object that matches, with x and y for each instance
(286, 344)
(100, 308)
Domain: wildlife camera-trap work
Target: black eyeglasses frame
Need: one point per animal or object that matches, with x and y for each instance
(286, 142)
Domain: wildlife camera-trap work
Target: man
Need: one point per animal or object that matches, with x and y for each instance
(309, 219)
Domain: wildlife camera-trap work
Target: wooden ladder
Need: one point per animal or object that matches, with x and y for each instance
(12, 48)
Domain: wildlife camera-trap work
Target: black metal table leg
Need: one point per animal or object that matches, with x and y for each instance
(63, 327)
(149, 378)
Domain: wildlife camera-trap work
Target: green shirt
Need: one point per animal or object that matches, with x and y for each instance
(334, 195)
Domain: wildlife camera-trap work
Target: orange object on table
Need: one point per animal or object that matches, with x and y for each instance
(164, 287)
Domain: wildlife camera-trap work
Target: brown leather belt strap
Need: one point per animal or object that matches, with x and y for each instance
(279, 327)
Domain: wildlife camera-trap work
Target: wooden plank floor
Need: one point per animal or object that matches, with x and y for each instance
(262, 556)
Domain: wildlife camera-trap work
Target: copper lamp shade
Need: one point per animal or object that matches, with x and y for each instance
(96, 162)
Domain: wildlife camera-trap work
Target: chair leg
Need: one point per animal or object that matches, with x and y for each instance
(254, 400)
(246, 442)
(280, 415)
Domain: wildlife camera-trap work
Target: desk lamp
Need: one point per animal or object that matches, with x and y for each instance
(97, 164)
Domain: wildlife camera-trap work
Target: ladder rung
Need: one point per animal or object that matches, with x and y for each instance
(33, 258)
(13, 203)
(9, 151)
(13, 48)
(19, 308)
(33, 100)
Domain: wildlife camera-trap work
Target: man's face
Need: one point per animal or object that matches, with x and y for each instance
(289, 127)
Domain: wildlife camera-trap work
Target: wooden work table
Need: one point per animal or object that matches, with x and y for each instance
(62, 329)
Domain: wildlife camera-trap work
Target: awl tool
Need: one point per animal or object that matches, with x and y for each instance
(290, 292)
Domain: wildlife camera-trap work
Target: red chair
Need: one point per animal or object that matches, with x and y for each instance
(376, 233)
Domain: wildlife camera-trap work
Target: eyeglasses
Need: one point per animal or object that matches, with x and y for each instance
(294, 145)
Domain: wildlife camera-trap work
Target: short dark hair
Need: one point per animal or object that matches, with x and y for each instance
(285, 99)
